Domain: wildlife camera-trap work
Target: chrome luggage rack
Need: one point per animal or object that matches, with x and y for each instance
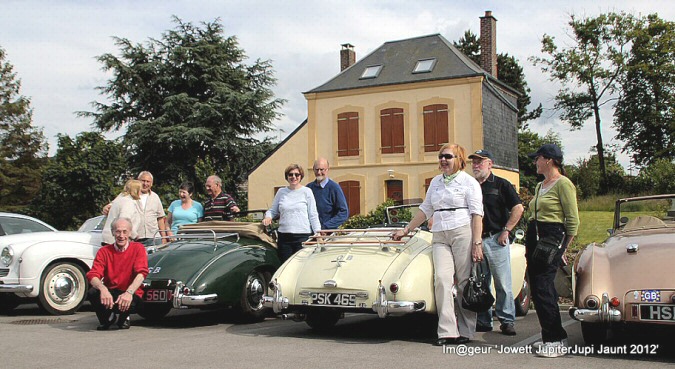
(368, 237)
(197, 234)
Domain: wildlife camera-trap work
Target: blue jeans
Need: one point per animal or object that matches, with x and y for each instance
(499, 261)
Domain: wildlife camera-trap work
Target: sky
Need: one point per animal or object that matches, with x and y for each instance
(53, 46)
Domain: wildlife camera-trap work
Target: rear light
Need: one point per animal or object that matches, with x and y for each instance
(393, 288)
(592, 302)
(186, 291)
(614, 302)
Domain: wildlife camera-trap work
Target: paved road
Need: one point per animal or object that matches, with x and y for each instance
(214, 339)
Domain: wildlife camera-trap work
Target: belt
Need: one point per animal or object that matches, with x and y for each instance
(450, 209)
(490, 234)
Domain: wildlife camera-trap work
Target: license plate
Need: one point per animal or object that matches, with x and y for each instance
(333, 299)
(158, 295)
(657, 312)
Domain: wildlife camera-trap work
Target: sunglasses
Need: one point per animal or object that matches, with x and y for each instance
(446, 156)
(289, 175)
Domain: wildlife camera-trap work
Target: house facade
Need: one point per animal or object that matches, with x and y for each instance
(381, 121)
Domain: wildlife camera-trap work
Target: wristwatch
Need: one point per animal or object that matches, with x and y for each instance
(131, 291)
(506, 229)
(477, 242)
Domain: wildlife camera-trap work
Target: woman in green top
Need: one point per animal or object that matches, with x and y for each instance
(553, 215)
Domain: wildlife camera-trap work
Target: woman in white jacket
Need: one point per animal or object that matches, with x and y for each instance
(126, 205)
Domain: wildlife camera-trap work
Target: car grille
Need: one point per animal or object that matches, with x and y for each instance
(4, 272)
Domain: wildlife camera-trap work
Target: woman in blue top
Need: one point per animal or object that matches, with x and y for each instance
(185, 210)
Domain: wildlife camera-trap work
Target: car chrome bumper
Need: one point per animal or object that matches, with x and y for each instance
(16, 288)
(384, 308)
(278, 302)
(603, 314)
(180, 299)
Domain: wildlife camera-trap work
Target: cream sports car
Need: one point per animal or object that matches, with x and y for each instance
(365, 271)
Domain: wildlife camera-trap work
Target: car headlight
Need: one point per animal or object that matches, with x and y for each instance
(7, 255)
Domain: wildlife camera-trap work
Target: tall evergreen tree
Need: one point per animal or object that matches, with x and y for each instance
(185, 99)
(22, 146)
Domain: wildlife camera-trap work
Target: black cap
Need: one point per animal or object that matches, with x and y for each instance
(483, 154)
(551, 151)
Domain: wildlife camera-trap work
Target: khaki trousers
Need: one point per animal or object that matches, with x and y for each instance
(452, 260)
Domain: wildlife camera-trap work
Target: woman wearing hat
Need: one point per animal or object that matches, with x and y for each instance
(553, 216)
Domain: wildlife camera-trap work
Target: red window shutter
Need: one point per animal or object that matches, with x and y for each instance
(435, 126)
(427, 183)
(397, 132)
(392, 131)
(353, 135)
(348, 134)
(352, 191)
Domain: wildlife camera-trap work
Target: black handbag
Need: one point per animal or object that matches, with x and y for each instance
(547, 247)
(476, 295)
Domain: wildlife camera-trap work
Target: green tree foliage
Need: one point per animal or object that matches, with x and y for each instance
(185, 99)
(22, 146)
(509, 71)
(589, 70)
(645, 112)
(656, 178)
(376, 217)
(84, 175)
(586, 175)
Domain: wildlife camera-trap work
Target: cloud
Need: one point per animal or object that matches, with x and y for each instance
(53, 44)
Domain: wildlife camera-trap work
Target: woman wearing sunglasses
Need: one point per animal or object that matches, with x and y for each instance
(295, 208)
(454, 202)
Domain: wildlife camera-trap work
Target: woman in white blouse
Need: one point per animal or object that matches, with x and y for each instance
(126, 205)
(295, 208)
(455, 203)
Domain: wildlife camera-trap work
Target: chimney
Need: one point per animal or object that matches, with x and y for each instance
(488, 43)
(347, 56)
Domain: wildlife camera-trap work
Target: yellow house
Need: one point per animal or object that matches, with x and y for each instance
(381, 121)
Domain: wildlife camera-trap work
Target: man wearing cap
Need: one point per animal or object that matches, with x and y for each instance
(502, 211)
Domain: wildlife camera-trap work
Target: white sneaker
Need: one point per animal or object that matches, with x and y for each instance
(552, 349)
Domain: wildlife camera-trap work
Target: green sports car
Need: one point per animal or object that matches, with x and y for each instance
(211, 264)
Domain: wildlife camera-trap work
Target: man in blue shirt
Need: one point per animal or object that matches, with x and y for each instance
(330, 200)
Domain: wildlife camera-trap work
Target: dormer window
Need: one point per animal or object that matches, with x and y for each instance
(371, 72)
(424, 66)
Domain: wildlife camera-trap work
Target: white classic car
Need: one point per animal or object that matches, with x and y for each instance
(365, 271)
(49, 266)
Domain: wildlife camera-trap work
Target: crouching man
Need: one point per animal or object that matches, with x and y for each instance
(116, 277)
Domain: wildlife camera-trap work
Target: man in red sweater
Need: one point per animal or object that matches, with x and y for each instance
(116, 277)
